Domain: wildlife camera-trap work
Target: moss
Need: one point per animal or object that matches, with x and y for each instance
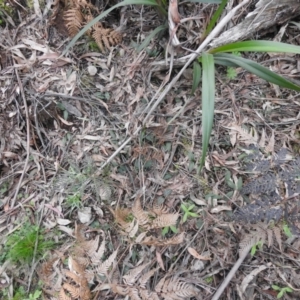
(20, 245)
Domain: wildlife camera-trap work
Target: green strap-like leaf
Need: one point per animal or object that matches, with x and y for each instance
(196, 76)
(104, 14)
(215, 17)
(257, 46)
(208, 101)
(147, 40)
(256, 69)
(207, 1)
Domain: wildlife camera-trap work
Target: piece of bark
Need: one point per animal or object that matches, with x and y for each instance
(266, 14)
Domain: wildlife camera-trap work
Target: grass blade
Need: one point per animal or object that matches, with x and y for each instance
(104, 14)
(215, 17)
(196, 76)
(257, 46)
(258, 70)
(147, 40)
(208, 101)
(207, 1)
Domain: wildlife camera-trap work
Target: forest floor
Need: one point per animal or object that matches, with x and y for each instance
(149, 224)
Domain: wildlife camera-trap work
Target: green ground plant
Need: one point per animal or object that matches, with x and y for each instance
(21, 294)
(281, 290)
(4, 8)
(287, 231)
(25, 243)
(74, 201)
(167, 229)
(231, 73)
(187, 210)
(34, 296)
(256, 247)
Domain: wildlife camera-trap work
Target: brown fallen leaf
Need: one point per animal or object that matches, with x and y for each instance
(194, 253)
(159, 260)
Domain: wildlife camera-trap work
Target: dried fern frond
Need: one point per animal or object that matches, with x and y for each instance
(97, 255)
(164, 220)
(144, 278)
(76, 278)
(77, 285)
(55, 9)
(259, 234)
(122, 217)
(133, 274)
(120, 290)
(103, 267)
(73, 20)
(146, 295)
(46, 270)
(160, 209)
(138, 212)
(74, 291)
(106, 37)
(274, 231)
(75, 267)
(176, 288)
(85, 5)
(89, 18)
(153, 241)
(134, 294)
(62, 295)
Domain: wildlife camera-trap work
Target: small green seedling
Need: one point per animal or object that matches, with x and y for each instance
(188, 211)
(169, 228)
(74, 201)
(234, 184)
(255, 247)
(287, 230)
(231, 73)
(209, 279)
(281, 291)
(36, 295)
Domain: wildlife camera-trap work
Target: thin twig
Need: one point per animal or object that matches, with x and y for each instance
(232, 273)
(27, 142)
(191, 58)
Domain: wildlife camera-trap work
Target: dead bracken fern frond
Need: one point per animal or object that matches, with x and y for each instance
(164, 221)
(159, 209)
(260, 233)
(85, 264)
(141, 215)
(76, 283)
(63, 296)
(106, 37)
(74, 20)
(132, 275)
(103, 267)
(158, 242)
(169, 287)
(79, 13)
(132, 220)
(176, 288)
